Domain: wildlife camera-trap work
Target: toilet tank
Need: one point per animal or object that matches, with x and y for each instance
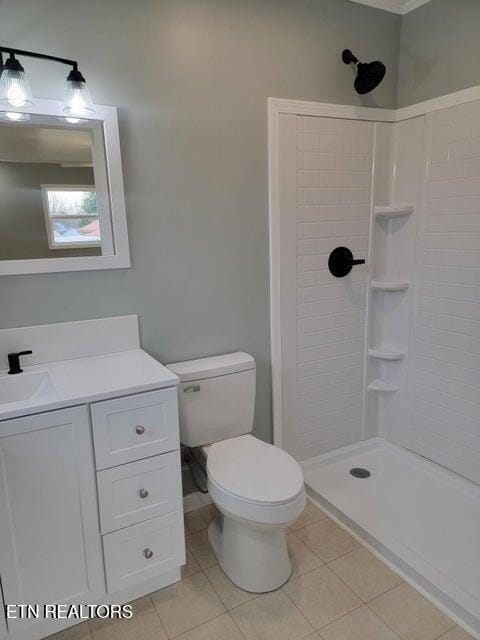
(216, 397)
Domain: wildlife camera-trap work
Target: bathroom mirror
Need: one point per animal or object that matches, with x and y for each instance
(61, 191)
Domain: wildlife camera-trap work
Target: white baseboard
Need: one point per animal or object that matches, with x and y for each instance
(195, 500)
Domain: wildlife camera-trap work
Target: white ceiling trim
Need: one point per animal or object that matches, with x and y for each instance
(410, 5)
(395, 6)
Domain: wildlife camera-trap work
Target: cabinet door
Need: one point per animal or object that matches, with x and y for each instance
(50, 549)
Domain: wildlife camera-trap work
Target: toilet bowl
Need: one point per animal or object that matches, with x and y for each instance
(257, 487)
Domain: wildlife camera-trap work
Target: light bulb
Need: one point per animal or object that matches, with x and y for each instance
(14, 87)
(14, 116)
(78, 101)
(16, 94)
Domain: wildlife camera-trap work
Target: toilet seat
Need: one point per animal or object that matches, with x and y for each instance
(254, 480)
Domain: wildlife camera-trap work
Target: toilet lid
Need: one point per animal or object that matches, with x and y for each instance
(254, 470)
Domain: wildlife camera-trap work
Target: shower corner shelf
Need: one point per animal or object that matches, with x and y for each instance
(380, 386)
(389, 285)
(386, 353)
(394, 211)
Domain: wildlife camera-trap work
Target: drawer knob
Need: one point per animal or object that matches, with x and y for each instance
(143, 493)
(139, 429)
(148, 553)
(192, 388)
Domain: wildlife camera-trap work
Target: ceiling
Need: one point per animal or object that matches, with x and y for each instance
(395, 6)
(35, 144)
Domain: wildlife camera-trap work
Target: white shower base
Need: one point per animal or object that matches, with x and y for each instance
(421, 518)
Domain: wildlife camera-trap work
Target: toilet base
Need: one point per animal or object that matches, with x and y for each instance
(255, 558)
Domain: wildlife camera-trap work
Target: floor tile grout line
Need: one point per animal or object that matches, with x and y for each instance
(311, 551)
(351, 589)
(89, 631)
(340, 617)
(276, 591)
(179, 635)
(156, 612)
(199, 562)
(298, 609)
(384, 592)
(159, 617)
(454, 624)
(326, 562)
(310, 524)
(218, 594)
(236, 624)
(448, 631)
(348, 553)
(384, 621)
(344, 583)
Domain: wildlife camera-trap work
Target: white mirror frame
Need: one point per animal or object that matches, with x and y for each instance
(114, 180)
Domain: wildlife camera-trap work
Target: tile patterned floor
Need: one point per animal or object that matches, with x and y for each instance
(338, 591)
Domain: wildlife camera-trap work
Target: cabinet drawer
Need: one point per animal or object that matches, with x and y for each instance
(138, 491)
(144, 551)
(135, 427)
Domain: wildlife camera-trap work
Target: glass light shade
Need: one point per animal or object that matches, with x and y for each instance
(14, 116)
(14, 88)
(72, 120)
(78, 101)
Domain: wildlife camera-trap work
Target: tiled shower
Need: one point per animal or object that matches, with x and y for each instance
(380, 369)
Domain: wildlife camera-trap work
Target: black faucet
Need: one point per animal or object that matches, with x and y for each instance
(14, 361)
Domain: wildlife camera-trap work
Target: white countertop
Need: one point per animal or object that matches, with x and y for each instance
(89, 379)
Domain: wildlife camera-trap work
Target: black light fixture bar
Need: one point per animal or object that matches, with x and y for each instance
(34, 54)
(15, 90)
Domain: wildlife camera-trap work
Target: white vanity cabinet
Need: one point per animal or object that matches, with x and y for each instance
(50, 549)
(91, 509)
(90, 506)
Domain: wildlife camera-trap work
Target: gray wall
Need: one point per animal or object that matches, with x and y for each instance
(439, 50)
(23, 232)
(191, 79)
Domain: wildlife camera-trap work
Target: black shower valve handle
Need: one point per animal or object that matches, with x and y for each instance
(341, 262)
(357, 261)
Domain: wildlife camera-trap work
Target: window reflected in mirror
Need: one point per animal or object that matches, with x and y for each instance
(53, 190)
(71, 215)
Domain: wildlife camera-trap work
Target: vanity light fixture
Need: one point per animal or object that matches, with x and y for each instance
(14, 116)
(14, 87)
(15, 90)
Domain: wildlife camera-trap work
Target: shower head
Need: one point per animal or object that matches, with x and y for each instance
(369, 74)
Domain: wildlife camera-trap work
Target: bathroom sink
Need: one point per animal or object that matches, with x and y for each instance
(24, 386)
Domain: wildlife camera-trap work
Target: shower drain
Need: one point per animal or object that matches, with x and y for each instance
(359, 472)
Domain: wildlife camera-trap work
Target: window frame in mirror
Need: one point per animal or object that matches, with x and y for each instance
(49, 218)
(115, 244)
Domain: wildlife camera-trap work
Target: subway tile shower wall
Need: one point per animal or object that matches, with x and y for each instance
(446, 412)
(334, 171)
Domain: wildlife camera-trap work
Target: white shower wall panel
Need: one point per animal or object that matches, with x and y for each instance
(333, 176)
(444, 373)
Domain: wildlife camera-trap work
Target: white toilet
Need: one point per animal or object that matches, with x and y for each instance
(258, 488)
